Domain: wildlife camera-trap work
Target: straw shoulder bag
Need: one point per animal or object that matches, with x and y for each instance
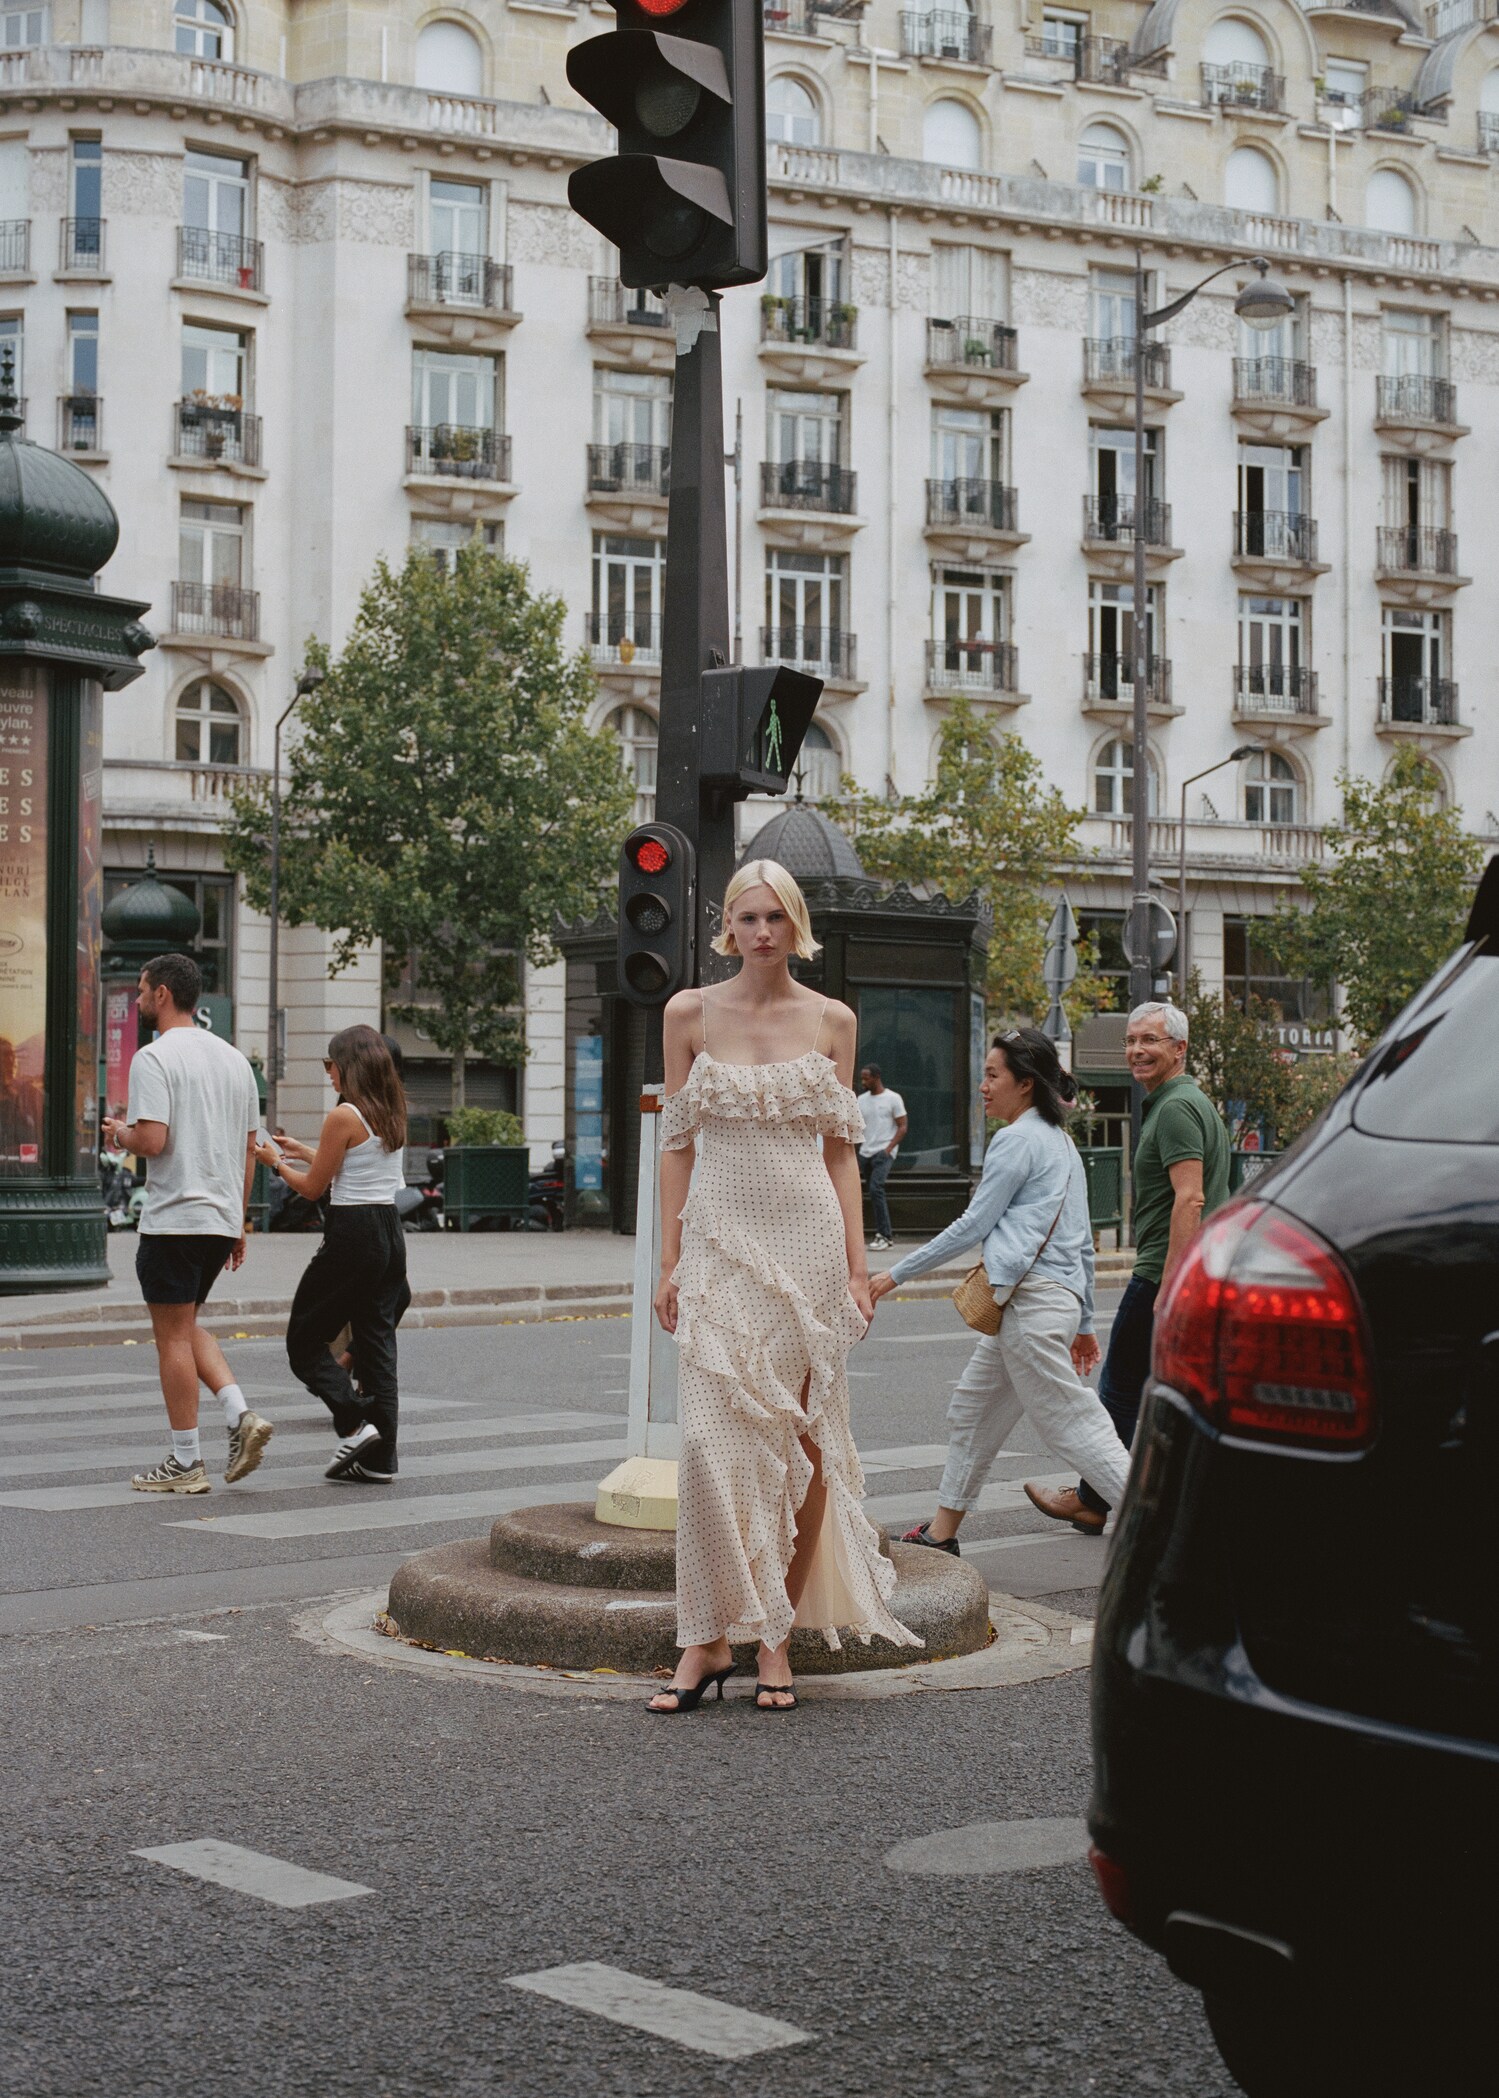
(974, 1296)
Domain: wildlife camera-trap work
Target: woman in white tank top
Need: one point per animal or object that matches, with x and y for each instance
(357, 1277)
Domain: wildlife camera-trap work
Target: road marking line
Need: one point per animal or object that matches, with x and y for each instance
(1016, 1544)
(252, 1872)
(1000, 1494)
(24, 1412)
(984, 1847)
(702, 2023)
(10, 1384)
(148, 1419)
(330, 1520)
(197, 1638)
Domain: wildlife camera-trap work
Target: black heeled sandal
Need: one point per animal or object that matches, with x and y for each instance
(688, 1698)
(775, 1690)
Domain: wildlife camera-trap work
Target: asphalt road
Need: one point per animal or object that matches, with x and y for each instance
(160, 1690)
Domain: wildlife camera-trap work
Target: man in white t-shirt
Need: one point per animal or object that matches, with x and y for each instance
(885, 1124)
(193, 1113)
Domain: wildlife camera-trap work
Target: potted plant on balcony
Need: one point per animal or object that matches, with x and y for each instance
(217, 416)
(977, 350)
(773, 311)
(486, 1170)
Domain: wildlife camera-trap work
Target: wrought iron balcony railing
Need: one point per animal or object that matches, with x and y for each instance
(978, 344)
(209, 430)
(613, 305)
(981, 506)
(1112, 677)
(1111, 357)
(221, 609)
(1389, 108)
(830, 324)
(1240, 85)
(971, 666)
(807, 484)
(629, 469)
(1275, 535)
(220, 258)
(1275, 688)
(81, 245)
(15, 245)
(1417, 397)
(1427, 702)
(452, 279)
(1418, 549)
(624, 637)
(1488, 131)
(81, 422)
(1115, 517)
(1099, 60)
(823, 650)
(1279, 381)
(944, 33)
(458, 452)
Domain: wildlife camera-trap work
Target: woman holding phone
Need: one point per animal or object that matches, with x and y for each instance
(357, 1277)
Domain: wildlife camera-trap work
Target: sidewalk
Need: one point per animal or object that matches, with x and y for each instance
(458, 1278)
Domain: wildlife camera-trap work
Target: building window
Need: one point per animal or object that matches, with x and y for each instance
(13, 345)
(87, 187)
(203, 29)
(83, 353)
(950, 135)
(216, 193)
(1114, 779)
(1286, 340)
(1111, 305)
(1390, 203)
(1250, 182)
(214, 365)
(1413, 345)
(804, 610)
(631, 408)
(806, 428)
(210, 726)
(1113, 477)
(1271, 646)
(818, 768)
(969, 444)
(449, 60)
(444, 537)
(1103, 160)
(629, 577)
(1272, 478)
(457, 218)
(1344, 81)
(1062, 35)
(971, 609)
(211, 544)
(23, 28)
(1415, 659)
(1252, 977)
(790, 112)
(636, 730)
(1104, 933)
(452, 389)
(969, 283)
(1111, 636)
(1272, 791)
(812, 276)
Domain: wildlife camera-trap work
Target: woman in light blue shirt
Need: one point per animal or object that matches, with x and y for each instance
(1030, 1215)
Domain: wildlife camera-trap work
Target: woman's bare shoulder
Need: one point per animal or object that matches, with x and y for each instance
(841, 1022)
(683, 1010)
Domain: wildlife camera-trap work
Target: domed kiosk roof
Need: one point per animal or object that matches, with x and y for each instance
(807, 844)
(52, 515)
(149, 918)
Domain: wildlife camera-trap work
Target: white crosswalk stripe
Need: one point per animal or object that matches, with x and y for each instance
(270, 1879)
(26, 1411)
(371, 1514)
(705, 2024)
(150, 1418)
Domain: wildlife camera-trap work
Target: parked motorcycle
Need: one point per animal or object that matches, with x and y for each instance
(548, 1196)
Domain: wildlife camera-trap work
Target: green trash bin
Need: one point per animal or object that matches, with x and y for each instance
(1244, 1166)
(485, 1184)
(1104, 1166)
(260, 1198)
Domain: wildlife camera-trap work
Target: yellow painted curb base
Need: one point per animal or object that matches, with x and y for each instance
(640, 1494)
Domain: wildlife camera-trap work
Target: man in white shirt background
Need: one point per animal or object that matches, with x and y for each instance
(885, 1123)
(193, 1113)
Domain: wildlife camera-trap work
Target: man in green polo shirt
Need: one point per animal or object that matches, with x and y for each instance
(1180, 1177)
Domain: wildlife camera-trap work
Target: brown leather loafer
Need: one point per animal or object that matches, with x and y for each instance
(1065, 1507)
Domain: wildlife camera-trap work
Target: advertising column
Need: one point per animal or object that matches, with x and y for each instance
(23, 917)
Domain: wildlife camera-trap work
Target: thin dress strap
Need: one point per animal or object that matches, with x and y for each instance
(702, 1006)
(820, 1018)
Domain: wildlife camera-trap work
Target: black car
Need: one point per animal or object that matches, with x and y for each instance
(1296, 1686)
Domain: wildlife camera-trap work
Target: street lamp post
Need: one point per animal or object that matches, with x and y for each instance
(1245, 750)
(307, 682)
(1263, 304)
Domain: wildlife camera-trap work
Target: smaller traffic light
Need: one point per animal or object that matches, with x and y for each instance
(656, 906)
(753, 726)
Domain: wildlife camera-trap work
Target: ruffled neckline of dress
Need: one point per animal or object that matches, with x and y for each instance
(795, 1088)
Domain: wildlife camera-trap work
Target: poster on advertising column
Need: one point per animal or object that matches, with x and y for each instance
(87, 1110)
(23, 917)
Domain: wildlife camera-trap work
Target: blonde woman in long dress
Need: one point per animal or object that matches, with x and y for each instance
(765, 1284)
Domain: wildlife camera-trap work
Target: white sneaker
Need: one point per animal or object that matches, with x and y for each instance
(880, 1245)
(171, 1477)
(347, 1452)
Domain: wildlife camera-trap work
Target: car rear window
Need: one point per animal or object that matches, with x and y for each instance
(1438, 1080)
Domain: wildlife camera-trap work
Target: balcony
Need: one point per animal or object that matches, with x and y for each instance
(1111, 524)
(1109, 373)
(628, 484)
(625, 649)
(803, 17)
(809, 341)
(1420, 707)
(820, 650)
(1447, 17)
(806, 503)
(1276, 397)
(972, 361)
(1240, 86)
(633, 326)
(951, 35)
(1283, 695)
(1417, 564)
(465, 301)
(1418, 411)
(1488, 131)
(214, 620)
(81, 424)
(1102, 61)
(1389, 109)
(1211, 843)
(228, 260)
(1277, 549)
(459, 469)
(969, 518)
(980, 670)
(81, 249)
(15, 247)
(211, 433)
(1109, 686)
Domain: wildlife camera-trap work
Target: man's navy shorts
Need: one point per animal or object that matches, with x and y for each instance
(179, 1267)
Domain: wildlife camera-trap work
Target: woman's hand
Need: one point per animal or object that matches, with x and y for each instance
(860, 1289)
(268, 1155)
(1086, 1353)
(881, 1287)
(666, 1303)
(294, 1149)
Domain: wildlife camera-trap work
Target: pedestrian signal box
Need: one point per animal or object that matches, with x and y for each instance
(683, 84)
(754, 724)
(656, 906)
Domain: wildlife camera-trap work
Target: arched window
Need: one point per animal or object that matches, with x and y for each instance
(818, 768)
(790, 112)
(1250, 182)
(1233, 41)
(1103, 158)
(448, 60)
(1114, 779)
(950, 135)
(1389, 202)
(210, 726)
(636, 730)
(1272, 791)
(203, 29)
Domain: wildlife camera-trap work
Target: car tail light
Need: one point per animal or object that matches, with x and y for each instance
(1113, 1884)
(1261, 1330)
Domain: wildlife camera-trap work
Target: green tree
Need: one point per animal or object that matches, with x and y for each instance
(1316, 1082)
(1388, 903)
(1233, 1059)
(445, 796)
(987, 822)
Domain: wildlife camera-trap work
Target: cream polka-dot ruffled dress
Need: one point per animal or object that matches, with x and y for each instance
(763, 1310)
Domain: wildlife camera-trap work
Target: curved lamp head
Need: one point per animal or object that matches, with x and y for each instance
(1264, 304)
(1246, 750)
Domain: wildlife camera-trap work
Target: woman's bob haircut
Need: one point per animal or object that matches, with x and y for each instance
(769, 874)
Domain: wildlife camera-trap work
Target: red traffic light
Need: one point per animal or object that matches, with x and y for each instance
(651, 856)
(660, 7)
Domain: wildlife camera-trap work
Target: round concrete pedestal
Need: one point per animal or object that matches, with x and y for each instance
(552, 1585)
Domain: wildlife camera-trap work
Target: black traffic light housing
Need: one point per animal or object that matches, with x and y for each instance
(657, 911)
(753, 725)
(683, 83)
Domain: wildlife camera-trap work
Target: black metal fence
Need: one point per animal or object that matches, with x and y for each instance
(1417, 397)
(1418, 549)
(1113, 357)
(945, 33)
(208, 430)
(623, 637)
(1275, 688)
(220, 258)
(15, 244)
(613, 305)
(629, 469)
(971, 666)
(1282, 381)
(807, 484)
(458, 452)
(821, 649)
(80, 423)
(831, 324)
(1427, 701)
(1115, 517)
(454, 279)
(977, 344)
(81, 246)
(1112, 676)
(1280, 535)
(982, 506)
(216, 608)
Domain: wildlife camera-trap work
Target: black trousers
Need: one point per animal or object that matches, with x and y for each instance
(1125, 1368)
(356, 1278)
